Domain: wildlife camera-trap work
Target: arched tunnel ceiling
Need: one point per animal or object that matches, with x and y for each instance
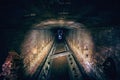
(50, 24)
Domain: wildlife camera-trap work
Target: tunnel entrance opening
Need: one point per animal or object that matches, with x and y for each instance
(60, 34)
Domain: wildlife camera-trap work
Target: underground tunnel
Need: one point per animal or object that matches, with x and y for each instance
(59, 40)
(60, 50)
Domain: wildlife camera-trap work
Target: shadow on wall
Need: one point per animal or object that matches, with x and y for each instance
(107, 43)
(109, 69)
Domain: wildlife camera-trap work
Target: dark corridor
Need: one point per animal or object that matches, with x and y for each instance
(59, 40)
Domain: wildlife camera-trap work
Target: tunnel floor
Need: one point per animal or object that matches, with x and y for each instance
(60, 67)
(59, 70)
